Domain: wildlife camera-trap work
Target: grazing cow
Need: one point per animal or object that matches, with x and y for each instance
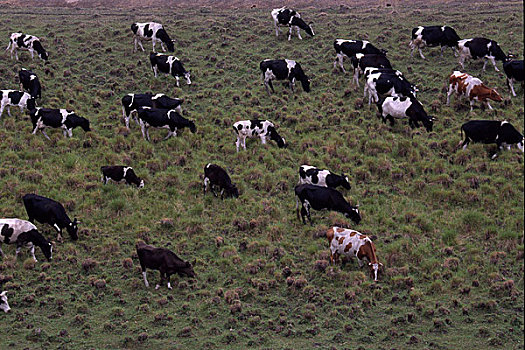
(162, 118)
(23, 233)
(405, 107)
(481, 48)
(48, 211)
(348, 48)
(283, 69)
(361, 61)
(503, 134)
(215, 176)
(315, 176)
(57, 118)
(169, 65)
(320, 198)
(464, 84)
(253, 128)
(4, 305)
(432, 36)
(163, 260)
(19, 41)
(351, 243)
(16, 98)
(386, 82)
(290, 18)
(120, 173)
(29, 82)
(131, 102)
(151, 31)
(514, 72)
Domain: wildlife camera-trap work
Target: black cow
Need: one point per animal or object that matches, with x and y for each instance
(514, 72)
(264, 129)
(131, 102)
(405, 107)
(348, 48)
(23, 233)
(215, 176)
(290, 18)
(120, 173)
(48, 211)
(162, 118)
(386, 82)
(16, 98)
(503, 134)
(320, 198)
(283, 69)
(481, 48)
(29, 82)
(57, 118)
(163, 260)
(169, 65)
(432, 36)
(19, 41)
(361, 61)
(151, 31)
(315, 176)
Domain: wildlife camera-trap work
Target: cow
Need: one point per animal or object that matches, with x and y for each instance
(118, 173)
(216, 176)
(464, 84)
(432, 36)
(319, 198)
(386, 82)
(30, 83)
(169, 65)
(281, 70)
(405, 107)
(481, 48)
(24, 233)
(16, 98)
(19, 41)
(503, 134)
(292, 19)
(361, 61)
(162, 118)
(252, 128)
(131, 102)
(48, 211)
(348, 48)
(351, 243)
(57, 118)
(4, 305)
(311, 175)
(163, 260)
(514, 71)
(151, 31)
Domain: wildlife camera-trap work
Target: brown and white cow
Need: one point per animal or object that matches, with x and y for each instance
(464, 84)
(347, 242)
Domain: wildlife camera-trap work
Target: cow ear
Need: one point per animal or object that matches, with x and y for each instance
(193, 262)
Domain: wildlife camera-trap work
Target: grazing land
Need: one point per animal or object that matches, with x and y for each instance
(447, 224)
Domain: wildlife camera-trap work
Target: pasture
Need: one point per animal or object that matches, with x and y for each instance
(448, 225)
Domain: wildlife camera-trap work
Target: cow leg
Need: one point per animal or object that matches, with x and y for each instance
(1, 252)
(303, 214)
(360, 262)
(70, 132)
(461, 61)
(140, 44)
(292, 85)
(455, 51)
(290, 33)
(154, 70)
(8, 111)
(32, 249)
(222, 193)
(146, 283)
(271, 86)
(205, 185)
(484, 64)
(162, 46)
(421, 53)
(339, 59)
(263, 139)
(493, 61)
(169, 284)
(488, 105)
(177, 78)
(161, 280)
(356, 76)
(43, 132)
(277, 30)
(1, 110)
(449, 93)
(442, 49)
(299, 33)
(147, 134)
(143, 129)
(471, 105)
(126, 118)
(238, 143)
(153, 42)
(510, 84)
(244, 143)
(169, 135)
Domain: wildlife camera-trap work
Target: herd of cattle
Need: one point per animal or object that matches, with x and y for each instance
(394, 95)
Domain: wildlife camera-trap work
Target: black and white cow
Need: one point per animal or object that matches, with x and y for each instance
(361, 61)
(169, 65)
(29, 82)
(216, 177)
(405, 107)
(386, 82)
(48, 211)
(283, 69)
(131, 102)
(118, 173)
(162, 118)
(432, 36)
(4, 304)
(253, 128)
(19, 41)
(290, 18)
(481, 48)
(311, 175)
(16, 98)
(23, 233)
(514, 72)
(151, 31)
(503, 134)
(348, 48)
(57, 118)
(319, 198)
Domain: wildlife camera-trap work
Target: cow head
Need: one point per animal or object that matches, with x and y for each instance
(383, 52)
(353, 214)
(232, 191)
(495, 96)
(305, 84)
(141, 184)
(374, 269)
(4, 305)
(47, 249)
(187, 269)
(193, 128)
(346, 183)
(72, 229)
(84, 124)
(520, 144)
(428, 122)
(187, 77)
(31, 104)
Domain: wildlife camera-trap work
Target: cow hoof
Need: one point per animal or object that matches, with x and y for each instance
(157, 287)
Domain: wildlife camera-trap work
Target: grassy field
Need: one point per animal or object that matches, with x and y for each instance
(448, 225)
